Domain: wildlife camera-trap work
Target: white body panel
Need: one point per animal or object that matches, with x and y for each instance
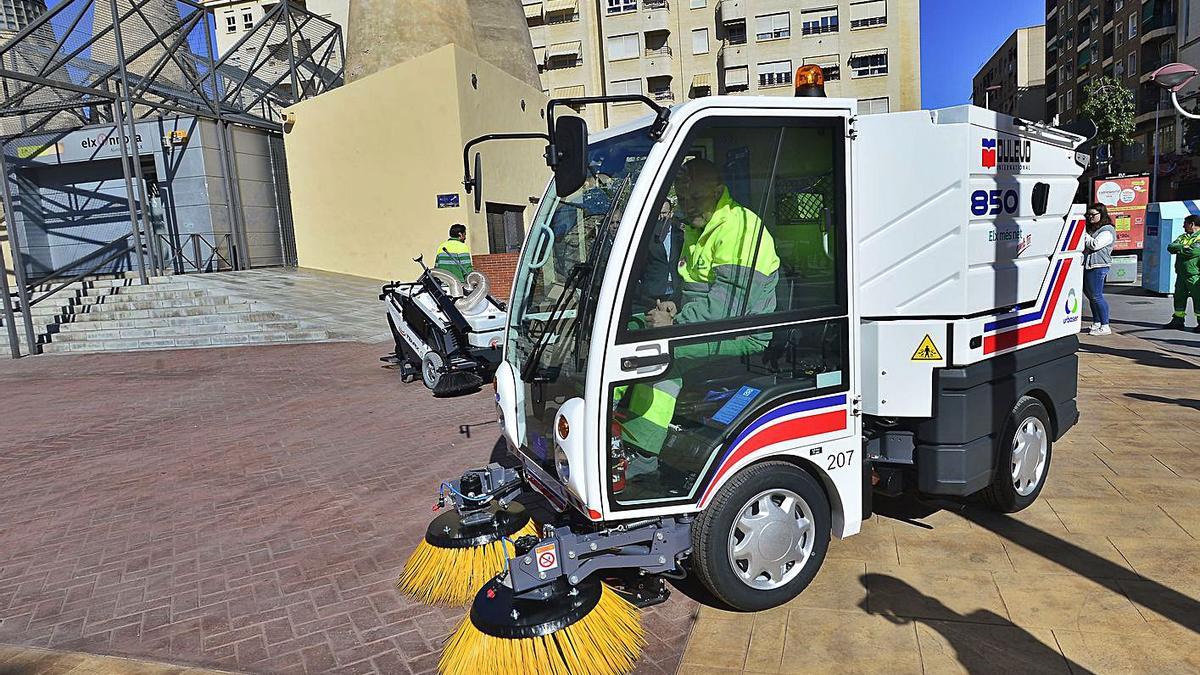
(897, 370)
(923, 250)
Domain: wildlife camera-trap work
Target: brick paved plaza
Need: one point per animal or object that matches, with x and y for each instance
(249, 509)
(245, 509)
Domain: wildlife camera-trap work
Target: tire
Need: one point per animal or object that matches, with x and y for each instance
(432, 367)
(1026, 430)
(715, 537)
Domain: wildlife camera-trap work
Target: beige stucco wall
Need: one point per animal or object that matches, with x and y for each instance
(367, 161)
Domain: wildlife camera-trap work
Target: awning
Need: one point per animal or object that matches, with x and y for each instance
(737, 76)
(702, 80)
(533, 9)
(561, 6)
(539, 55)
(563, 49)
(568, 92)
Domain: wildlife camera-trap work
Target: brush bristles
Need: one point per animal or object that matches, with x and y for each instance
(607, 641)
(452, 576)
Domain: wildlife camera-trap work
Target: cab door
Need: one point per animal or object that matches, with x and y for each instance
(735, 335)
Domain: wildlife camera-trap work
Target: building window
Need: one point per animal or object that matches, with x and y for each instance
(830, 65)
(773, 26)
(230, 24)
(1132, 68)
(774, 74)
(623, 47)
(735, 33)
(699, 4)
(737, 78)
(873, 106)
(868, 14)
(1119, 69)
(1069, 101)
(620, 87)
(1120, 37)
(700, 41)
(247, 20)
(1133, 19)
(818, 21)
(869, 64)
(1120, 4)
(1166, 138)
(506, 228)
(621, 6)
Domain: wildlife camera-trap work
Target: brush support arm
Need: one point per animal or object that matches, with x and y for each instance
(472, 492)
(652, 546)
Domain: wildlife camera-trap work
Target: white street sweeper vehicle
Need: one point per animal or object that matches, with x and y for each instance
(447, 333)
(781, 307)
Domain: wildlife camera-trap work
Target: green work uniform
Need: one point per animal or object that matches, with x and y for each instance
(1186, 249)
(454, 257)
(721, 277)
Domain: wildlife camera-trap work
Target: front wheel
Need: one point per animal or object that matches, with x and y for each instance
(1022, 457)
(763, 538)
(433, 366)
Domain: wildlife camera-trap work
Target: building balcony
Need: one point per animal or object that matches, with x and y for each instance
(732, 55)
(771, 80)
(1165, 31)
(653, 15)
(663, 96)
(731, 10)
(658, 62)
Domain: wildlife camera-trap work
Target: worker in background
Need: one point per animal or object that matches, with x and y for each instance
(727, 268)
(1186, 249)
(453, 256)
(1098, 241)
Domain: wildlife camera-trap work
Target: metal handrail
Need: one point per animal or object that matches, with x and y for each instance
(664, 50)
(197, 261)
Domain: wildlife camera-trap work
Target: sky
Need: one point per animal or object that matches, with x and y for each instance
(959, 36)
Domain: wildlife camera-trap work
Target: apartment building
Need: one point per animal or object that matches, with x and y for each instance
(235, 18)
(677, 50)
(1125, 39)
(1013, 81)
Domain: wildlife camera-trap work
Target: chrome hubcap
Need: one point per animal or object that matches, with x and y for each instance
(433, 368)
(771, 540)
(1030, 446)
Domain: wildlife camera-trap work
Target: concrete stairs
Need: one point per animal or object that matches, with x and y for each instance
(169, 313)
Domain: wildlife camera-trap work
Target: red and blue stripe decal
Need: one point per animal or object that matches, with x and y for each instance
(1039, 320)
(792, 421)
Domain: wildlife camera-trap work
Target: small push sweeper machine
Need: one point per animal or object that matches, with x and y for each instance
(731, 323)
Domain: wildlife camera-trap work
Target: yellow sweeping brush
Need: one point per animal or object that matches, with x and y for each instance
(457, 556)
(585, 630)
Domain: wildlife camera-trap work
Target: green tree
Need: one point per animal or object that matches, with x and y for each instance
(1111, 106)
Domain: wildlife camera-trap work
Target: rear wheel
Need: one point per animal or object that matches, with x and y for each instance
(763, 538)
(1022, 457)
(432, 368)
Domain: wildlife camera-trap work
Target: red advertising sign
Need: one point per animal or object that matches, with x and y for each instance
(1126, 198)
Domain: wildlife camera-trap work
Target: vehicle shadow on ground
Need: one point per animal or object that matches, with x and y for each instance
(998, 647)
(1150, 594)
(1143, 357)
(1151, 398)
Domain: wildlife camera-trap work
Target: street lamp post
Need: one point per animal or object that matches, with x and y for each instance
(1173, 77)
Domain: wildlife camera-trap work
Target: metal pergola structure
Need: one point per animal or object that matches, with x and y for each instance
(113, 63)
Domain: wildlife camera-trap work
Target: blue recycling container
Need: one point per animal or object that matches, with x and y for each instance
(1164, 222)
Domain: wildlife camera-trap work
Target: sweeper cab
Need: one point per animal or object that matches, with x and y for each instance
(735, 320)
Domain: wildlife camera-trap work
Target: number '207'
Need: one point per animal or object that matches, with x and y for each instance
(994, 202)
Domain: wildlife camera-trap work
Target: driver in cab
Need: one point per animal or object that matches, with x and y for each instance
(727, 268)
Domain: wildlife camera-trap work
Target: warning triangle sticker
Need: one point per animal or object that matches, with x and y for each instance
(927, 351)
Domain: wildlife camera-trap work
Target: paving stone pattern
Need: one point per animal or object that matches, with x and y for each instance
(1100, 575)
(244, 508)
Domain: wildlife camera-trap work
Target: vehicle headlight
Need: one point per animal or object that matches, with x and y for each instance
(562, 465)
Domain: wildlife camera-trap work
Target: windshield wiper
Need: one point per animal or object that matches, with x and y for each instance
(570, 285)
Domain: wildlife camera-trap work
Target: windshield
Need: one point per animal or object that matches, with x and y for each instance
(551, 312)
(549, 318)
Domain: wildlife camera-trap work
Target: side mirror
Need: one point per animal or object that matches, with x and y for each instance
(570, 149)
(477, 193)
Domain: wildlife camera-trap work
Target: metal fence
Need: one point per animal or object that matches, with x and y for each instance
(112, 64)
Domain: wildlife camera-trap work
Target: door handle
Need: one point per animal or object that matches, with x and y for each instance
(630, 363)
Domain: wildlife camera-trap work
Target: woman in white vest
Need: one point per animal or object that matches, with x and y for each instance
(1098, 244)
